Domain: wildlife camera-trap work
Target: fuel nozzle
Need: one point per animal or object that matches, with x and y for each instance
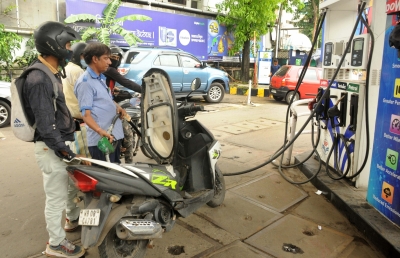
(334, 111)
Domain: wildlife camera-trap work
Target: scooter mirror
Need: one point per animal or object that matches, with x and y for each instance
(195, 84)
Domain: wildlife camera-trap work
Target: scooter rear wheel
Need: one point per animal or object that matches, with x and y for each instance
(219, 189)
(113, 247)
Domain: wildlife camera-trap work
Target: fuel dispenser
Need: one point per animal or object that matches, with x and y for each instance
(342, 114)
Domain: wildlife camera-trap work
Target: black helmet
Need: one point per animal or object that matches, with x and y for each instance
(116, 51)
(78, 50)
(394, 38)
(51, 38)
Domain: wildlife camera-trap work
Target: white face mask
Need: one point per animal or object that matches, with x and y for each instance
(83, 63)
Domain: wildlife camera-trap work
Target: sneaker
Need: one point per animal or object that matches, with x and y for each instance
(71, 225)
(65, 249)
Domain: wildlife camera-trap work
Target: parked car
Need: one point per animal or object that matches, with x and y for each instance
(181, 67)
(5, 103)
(284, 81)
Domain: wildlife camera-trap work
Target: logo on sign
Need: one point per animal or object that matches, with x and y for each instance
(395, 124)
(342, 85)
(325, 147)
(387, 192)
(392, 6)
(396, 92)
(213, 28)
(391, 159)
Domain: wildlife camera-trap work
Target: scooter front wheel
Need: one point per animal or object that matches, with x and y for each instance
(113, 247)
(219, 189)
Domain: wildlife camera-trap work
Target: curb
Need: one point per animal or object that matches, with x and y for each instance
(379, 230)
(260, 92)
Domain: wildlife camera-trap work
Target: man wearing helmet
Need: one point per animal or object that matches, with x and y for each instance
(114, 76)
(54, 132)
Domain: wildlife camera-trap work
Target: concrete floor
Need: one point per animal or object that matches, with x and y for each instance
(261, 215)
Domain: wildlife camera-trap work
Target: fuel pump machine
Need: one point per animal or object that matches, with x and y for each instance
(364, 90)
(343, 109)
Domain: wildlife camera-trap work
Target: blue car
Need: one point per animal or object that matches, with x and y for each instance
(181, 67)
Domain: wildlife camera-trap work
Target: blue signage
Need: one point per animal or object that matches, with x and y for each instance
(165, 29)
(384, 180)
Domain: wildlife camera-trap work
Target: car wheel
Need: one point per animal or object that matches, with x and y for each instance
(289, 97)
(277, 98)
(215, 93)
(5, 114)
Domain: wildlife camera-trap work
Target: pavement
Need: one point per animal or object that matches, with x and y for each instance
(263, 215)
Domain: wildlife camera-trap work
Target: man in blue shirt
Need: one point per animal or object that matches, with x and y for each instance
(274, 67)
(96, 103)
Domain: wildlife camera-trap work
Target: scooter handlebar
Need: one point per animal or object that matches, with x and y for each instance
(191, 110)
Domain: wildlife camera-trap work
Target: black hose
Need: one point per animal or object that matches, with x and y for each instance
(335, 146)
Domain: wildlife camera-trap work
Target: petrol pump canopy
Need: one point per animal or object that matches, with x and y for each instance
(298, 42)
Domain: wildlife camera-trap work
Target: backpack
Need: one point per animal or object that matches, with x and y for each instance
(20, 124)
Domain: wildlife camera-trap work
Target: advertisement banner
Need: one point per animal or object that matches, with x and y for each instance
(384, 182)
(165, 29)
(218, 41)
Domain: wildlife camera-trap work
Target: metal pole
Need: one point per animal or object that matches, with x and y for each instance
(249, 94)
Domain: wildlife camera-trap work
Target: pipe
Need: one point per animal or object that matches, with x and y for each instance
(19, 31)
(293, 123)
(17, 9)
(173, 7)
(58, 12)
(249, 94)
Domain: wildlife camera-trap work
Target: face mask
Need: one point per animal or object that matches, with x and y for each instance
(83, 63)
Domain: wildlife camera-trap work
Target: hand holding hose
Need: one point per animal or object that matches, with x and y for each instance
(104, 133)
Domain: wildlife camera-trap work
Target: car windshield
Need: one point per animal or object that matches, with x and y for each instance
(134, 57)
(282, 71)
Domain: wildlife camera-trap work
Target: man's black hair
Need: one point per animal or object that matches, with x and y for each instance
(95, 49)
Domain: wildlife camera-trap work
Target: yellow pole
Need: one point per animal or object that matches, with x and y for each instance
(255, 81)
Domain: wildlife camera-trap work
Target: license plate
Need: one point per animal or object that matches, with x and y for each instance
(89, 217)
(273, 91)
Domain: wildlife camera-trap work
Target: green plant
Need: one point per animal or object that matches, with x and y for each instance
(306, 19)
(108, 24)
(242, 18)
(29, 55)
(9, 42)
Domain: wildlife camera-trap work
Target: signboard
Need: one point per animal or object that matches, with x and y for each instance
(204, 38)
(392, 6)
(384, 182)
(264, 67)
(165, 29)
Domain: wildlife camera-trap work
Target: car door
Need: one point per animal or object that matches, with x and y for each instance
(309, 86)
(192, 68)
(169, 62)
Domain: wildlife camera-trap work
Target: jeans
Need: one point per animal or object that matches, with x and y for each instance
(59, 190)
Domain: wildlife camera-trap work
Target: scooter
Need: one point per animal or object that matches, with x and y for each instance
(127, 206)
